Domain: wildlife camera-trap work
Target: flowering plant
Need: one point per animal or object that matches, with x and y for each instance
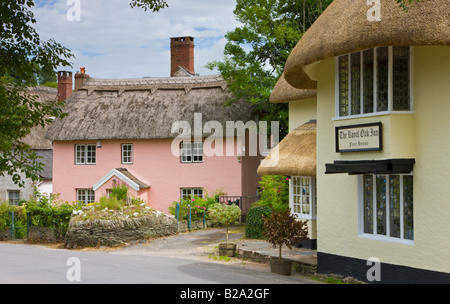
(274, 192)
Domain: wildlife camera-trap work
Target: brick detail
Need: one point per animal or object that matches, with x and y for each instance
(64, 85)
(182, 54)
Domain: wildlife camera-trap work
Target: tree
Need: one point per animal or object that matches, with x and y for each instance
(256, 52)
(153, 5)
(23, 55)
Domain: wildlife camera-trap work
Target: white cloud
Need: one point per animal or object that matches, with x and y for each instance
(112, 40)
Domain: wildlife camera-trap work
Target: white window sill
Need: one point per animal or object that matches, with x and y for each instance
(384, 238)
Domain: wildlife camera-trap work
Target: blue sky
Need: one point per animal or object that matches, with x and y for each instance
(112, 40)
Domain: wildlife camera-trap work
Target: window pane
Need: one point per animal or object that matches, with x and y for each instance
(127, 153)
(408, 219)
(368, 80)
(355, 69)
(394, 205)
(382, 78)
(381, 204)
(343, 85)
(80, 154)
(198, 151)
(400, 79)
(14, 197)
(186, 152)
(91, 154)
(368, 203)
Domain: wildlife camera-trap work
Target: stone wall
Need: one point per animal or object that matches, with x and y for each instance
(116, 232)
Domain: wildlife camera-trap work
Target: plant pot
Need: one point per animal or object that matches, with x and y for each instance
(228, 250)
(280, 266)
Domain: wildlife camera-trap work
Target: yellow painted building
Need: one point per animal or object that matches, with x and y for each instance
(382, 76)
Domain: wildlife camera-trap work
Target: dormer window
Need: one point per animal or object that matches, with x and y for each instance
(374, 81)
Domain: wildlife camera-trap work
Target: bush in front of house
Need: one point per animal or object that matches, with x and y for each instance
(198, 205)
(274, 192)
(47, 212)
(254, 228)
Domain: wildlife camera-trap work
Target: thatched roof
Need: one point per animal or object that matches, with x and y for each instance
(36, 139)
(344, 28)
(144, 108)
(46, 158)
(284, 92)
(295, 155)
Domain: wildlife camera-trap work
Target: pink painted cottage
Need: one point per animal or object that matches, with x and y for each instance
(130, 131)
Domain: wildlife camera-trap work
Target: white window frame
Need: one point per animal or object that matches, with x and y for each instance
(82, 154)
(85, 196)
(191, 152)
(375, 89)
(127, 154)
(311, 196)
(192, 193)
(374, 235)
(13, 201)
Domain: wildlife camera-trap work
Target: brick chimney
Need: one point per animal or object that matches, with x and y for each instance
(182, 54)
(64, 85)
(80, 78)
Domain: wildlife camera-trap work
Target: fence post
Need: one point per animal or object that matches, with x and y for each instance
(204, 219)
(177, 211)
(28, 223)
(189, 217)
(12, 228)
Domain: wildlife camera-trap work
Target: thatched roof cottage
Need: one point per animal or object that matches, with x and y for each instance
(127, 130)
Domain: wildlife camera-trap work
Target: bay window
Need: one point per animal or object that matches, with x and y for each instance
(373, 81)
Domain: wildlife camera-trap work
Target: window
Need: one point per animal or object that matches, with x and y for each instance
(373, 81)
(85, 154)
(190, 193)
(14, 197)
(303, 196)
(85, 196)
(387, 206)
(127, 153)
(191, 152)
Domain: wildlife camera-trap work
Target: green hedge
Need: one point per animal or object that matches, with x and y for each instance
(254, 222)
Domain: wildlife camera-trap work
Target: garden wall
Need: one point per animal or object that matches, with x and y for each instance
(116, 232)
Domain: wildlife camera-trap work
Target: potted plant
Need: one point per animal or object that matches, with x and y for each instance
(225, 215)
(283, 228)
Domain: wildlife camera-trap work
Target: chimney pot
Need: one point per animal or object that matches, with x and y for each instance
(182, 54)
(80, 78)
(64, 85)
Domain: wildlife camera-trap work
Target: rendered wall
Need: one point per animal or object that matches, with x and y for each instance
(154, 164)
(423, 135)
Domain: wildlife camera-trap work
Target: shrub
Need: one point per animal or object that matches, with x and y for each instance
(282, 227)
(120, 191)
(111, 202)
(225, 214)
(254, 228)
(47, 212)
(274, 192)
(199, 206)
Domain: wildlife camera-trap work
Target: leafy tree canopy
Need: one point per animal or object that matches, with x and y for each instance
(256, 52)
(23, 55)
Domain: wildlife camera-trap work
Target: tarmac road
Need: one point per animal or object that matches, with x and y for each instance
(180, 259)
